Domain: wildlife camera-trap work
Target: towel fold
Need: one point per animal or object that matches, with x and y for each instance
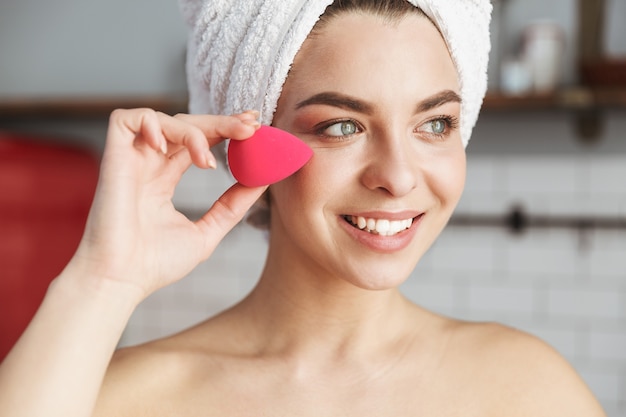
(239, 52)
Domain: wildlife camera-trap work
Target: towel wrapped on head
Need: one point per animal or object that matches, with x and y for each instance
(240, 52)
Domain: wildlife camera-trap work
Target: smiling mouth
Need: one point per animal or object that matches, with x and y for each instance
(382, 227)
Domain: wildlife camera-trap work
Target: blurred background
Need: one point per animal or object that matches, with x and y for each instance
(539, 238)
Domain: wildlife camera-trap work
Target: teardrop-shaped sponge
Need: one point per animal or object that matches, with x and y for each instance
(269, 156)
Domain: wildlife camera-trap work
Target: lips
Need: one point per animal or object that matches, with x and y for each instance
(383, 232)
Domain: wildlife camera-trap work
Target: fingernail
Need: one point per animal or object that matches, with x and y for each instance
(210, 160)
(253, 113)
(254, 123)
(164, 147)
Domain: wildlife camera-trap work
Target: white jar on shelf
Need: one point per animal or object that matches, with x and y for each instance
(515, 77)
(543, 50)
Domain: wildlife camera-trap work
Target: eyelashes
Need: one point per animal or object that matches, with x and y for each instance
(338, 130)
(438, 127)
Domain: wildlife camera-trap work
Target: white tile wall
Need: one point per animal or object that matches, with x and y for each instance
(585, 302)
(607, 347)
(564, 285)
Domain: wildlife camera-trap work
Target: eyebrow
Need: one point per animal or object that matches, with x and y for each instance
(439, 99)
(342, 101)
(334, 99)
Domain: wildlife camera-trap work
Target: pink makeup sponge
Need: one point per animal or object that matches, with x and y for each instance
(269, 156)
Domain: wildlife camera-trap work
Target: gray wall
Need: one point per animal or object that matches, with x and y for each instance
(72, 47)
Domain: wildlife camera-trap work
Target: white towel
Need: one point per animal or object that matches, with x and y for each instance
(240, 51)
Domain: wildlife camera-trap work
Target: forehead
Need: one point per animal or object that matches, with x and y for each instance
(365, 52)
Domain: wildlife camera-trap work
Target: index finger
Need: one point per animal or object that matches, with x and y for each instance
(217, 128)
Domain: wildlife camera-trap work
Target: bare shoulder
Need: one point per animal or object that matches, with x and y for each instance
(528, 376)
(176, 375)
(135, 377)
(150, 379)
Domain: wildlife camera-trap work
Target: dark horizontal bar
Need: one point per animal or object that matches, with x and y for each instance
(518, 221)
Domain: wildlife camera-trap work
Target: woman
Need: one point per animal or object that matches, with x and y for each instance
(377, 94)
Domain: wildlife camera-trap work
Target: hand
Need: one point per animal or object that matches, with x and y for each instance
(134, 234)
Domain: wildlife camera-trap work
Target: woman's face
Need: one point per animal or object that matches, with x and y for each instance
(379, 104)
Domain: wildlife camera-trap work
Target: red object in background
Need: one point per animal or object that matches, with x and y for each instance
(45, 194)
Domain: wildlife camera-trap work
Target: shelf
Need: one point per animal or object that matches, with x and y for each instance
(586, 104)
(101, 107)
(579, 98)
(85, 107)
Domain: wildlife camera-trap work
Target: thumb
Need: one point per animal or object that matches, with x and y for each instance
(226, 212)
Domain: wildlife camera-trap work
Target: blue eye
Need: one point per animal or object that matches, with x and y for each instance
(343, 128)
(438, 126)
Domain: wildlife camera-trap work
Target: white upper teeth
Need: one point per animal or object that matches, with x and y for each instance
(382, 227)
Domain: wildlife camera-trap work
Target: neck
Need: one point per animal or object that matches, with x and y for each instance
(303, 315)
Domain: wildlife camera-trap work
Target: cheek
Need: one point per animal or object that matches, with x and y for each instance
(316, 186)
(327, 170)
(300, 190)
(447, 178)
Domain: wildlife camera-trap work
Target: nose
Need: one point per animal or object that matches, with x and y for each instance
(392, 165)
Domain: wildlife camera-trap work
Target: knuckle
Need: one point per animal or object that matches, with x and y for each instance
(225, 210)
(117, 114)
(123, 113)
(146, 112)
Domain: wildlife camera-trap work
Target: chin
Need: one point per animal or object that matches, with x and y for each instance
(381, 281)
